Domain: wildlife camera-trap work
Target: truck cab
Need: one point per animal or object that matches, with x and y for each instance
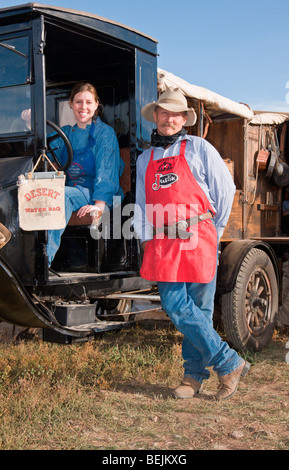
(44, 51)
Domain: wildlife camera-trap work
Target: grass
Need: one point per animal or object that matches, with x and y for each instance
(113, 393)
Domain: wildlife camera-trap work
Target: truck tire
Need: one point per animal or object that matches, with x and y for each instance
(249, 311)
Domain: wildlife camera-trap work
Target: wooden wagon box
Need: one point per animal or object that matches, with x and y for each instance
(256, 210)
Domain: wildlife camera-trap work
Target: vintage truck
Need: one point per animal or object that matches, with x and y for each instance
(95, 281)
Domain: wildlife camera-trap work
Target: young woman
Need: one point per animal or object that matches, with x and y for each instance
(93, 177)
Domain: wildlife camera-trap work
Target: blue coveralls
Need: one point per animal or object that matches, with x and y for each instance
(94, 174)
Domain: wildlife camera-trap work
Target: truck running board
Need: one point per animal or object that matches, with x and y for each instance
(53, 336)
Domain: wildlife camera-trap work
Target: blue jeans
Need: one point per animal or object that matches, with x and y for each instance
(190, 306)
(74, 200)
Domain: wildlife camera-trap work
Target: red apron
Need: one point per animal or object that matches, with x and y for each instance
(172, 194)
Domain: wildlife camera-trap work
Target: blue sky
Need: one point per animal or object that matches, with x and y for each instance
(237, 49)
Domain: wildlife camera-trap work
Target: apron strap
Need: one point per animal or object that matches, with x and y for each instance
(91, 139)
(183, 147)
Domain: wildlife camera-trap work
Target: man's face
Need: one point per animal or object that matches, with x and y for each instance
(169, 123)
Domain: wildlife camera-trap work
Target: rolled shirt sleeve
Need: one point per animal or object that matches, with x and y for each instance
(217, 183)
(142, 226)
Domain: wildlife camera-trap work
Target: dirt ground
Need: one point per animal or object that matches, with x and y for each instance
(256, 418)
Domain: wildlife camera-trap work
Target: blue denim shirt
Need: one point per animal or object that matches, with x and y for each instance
(101, 172)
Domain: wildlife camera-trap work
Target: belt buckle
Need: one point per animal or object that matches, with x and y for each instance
(178, 230)
(182, 225)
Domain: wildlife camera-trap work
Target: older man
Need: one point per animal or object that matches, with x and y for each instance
(184, 196)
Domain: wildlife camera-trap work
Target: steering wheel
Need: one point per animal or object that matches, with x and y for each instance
(67, 144)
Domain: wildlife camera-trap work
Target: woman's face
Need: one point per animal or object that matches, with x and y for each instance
(84, 107)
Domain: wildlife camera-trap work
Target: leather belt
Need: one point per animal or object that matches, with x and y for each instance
(179, 229)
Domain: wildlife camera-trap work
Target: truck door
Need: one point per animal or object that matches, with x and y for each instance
(146, 92)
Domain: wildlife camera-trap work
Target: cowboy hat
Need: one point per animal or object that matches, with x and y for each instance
(172, 100)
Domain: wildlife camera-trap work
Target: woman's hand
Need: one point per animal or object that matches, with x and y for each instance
(87, 210)
(95, 210)
(26, 116)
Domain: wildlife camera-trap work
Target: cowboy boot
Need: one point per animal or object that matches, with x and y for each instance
(188, 388)
(229, 383)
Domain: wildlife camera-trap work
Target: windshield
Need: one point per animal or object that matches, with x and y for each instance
(15, 78)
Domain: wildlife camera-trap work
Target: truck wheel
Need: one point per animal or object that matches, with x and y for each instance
(249, 312)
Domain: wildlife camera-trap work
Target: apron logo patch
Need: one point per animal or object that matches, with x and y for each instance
(164, 181)
(165, 166)
(75, 170)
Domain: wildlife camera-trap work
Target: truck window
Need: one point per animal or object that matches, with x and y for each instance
(15, 78)
(14, 60)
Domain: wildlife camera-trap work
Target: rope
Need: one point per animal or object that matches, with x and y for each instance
(30, 174)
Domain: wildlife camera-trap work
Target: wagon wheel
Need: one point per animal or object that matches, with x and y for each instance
(249, 312)
(114, 310)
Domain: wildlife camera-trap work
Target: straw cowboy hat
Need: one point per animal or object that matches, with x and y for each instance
(172, 100)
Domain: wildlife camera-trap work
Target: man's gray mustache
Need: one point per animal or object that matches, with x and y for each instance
(168, 124)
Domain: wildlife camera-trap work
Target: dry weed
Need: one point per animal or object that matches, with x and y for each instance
(114, 393)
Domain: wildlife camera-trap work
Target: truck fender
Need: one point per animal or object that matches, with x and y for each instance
(231, 259)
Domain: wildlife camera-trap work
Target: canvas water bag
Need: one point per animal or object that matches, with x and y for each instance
(41, 200)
